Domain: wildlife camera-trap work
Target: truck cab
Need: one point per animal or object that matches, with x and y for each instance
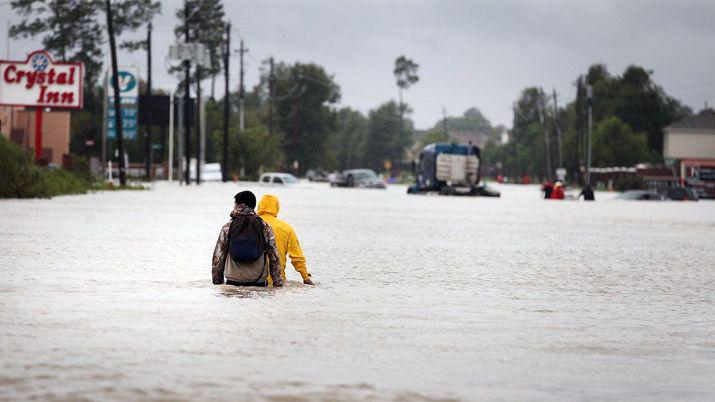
(449, 169)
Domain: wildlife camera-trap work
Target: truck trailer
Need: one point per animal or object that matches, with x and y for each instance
(450, 169)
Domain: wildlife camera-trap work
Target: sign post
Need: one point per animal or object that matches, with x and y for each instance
(41, 82)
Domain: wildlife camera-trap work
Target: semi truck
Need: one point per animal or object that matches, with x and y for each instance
(450, 169)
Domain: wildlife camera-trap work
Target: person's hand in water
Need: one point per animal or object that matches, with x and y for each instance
(308, 282)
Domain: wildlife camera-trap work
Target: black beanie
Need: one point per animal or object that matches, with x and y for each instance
(246, 197)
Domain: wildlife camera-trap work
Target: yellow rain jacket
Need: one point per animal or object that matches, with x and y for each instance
(286, 239)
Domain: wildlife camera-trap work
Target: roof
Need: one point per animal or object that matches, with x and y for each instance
(705, 120)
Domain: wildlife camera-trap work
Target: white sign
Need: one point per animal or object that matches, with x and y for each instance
(128, 85)
(41, 82)
(193, 52)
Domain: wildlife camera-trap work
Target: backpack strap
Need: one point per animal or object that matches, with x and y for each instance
(261, 223)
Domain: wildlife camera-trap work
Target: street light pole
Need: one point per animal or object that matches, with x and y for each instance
(226, 102)
(589, 94)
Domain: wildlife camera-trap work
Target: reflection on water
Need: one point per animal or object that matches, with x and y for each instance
(109, 296)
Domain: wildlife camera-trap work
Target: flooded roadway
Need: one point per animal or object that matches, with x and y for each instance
(109, 296)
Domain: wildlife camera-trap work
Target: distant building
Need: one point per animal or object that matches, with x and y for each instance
(18, 125)
(690, 145)
(465, 136)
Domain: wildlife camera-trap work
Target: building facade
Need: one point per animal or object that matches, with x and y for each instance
(18, 125)
(690, 145)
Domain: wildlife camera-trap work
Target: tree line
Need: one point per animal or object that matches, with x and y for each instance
(293, 124)
(629, 113)
(293, 121)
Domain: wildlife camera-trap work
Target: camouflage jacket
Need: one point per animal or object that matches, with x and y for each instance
(220, 252)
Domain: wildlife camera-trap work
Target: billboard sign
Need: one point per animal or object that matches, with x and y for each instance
(40, 81)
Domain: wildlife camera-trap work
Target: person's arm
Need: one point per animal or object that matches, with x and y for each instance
(275, 265)
(297, 258)
(219, 258)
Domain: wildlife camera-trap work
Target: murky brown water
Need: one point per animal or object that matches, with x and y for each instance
(109, 296)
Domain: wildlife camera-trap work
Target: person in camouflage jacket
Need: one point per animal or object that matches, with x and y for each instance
(245, 202)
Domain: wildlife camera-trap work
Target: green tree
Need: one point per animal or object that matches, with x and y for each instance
(73, 30)
(616, 144)
(255, 150)
(206, 26)
(435, 134)
(349, 139)
(405, 75)
(528, 134)
(303, 94)
(386, 140)
(472, 120)
(635, 99)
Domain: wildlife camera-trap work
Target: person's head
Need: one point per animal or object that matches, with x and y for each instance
(247, 198)
(268, 205)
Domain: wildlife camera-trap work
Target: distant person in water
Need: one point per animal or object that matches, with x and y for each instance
(547, 188)
(587, 194)
(558, 191)
(286, 239)
(246, 252)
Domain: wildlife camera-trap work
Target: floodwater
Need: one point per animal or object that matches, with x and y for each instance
(108, 296)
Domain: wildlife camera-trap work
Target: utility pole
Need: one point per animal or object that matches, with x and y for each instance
(558, 129)
(589, 94)
(226, 102)
(150, 107)
(241, 90)
(517, 173)
(270, 96)
(7, 43)
(187, 99)
(578, 164)
(444, 123)
(117, 100)
(547, 155)
(198, 123)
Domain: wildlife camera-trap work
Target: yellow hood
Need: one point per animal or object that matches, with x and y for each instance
(268, 205)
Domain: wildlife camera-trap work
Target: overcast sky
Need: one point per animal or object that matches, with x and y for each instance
(470, 53)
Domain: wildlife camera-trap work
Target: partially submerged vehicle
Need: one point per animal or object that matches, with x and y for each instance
(317, 175)
(277, 179)
(362, 178)
(668, 194)
(450, 169)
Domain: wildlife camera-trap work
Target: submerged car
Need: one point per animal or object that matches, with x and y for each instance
(362, 178)
(318, 175)
(277, 179)
(641, 195)
(672, 194)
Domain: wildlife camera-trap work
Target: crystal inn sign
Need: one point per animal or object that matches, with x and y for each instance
(41, 82)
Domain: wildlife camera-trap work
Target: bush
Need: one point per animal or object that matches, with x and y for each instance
(79, 165)
(21, 178)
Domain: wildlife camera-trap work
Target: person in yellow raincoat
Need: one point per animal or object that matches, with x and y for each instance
(286, 239)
